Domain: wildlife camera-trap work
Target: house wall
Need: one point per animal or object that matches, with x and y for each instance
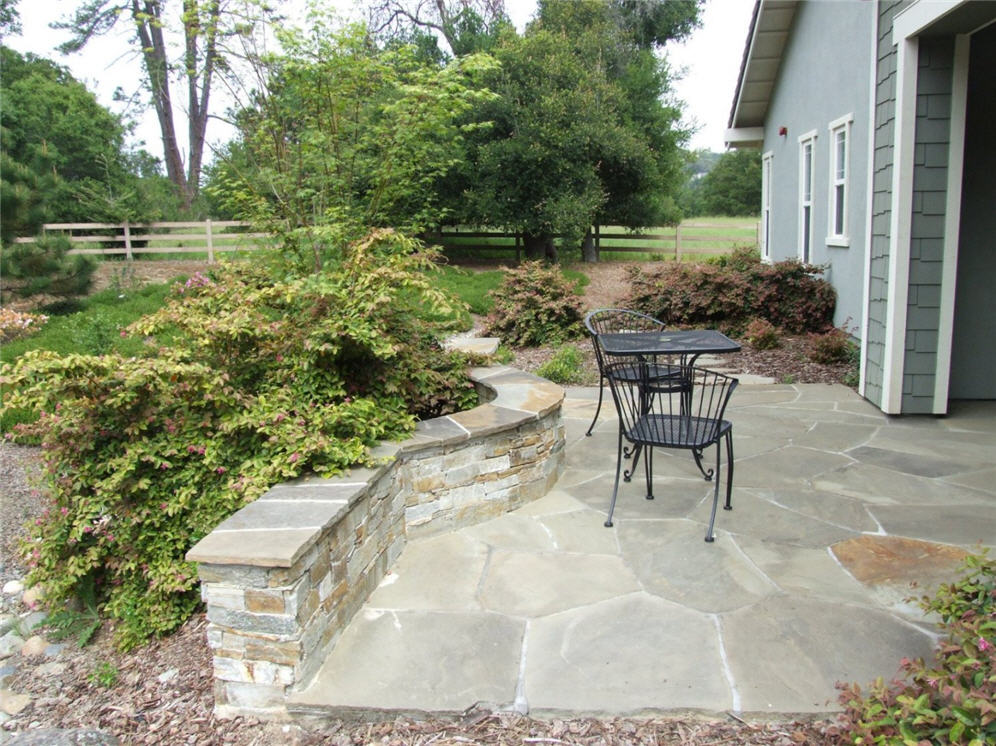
(973, 354)
(878, 258)
(823, 76)
(932, 136)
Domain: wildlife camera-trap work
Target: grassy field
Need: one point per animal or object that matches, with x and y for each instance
(699, 238)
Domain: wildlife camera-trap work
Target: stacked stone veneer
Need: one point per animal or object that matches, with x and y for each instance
(282, 577)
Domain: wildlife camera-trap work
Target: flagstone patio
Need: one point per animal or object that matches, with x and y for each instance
(837, 510)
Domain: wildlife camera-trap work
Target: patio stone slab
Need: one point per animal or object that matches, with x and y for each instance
(487, 419)
(984, 479)
(806, 571)
(418, 661)
(878, 486)
(787, 652)
(756, 513)
(672, 560)
(581, 531)
(917, 464)
(674, 497)
(435, 573)
(555, 501)
(786, 466)
(965, 525)
(848, 513)
(262, 548)
(513, 532)
(836, 437)
(624, 656)
(530, 585)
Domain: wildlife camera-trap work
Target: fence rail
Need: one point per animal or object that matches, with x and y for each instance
(216, 236)
(206, 236)
(687, 238)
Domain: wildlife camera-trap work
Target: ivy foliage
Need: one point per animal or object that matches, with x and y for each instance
(256, 382)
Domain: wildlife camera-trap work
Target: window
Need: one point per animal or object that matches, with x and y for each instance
(765, 237)
(840, 146)
(806, 143)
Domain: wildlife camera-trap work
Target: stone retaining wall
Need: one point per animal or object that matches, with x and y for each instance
(284, 575)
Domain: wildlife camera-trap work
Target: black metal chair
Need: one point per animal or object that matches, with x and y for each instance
(689, 418)
(623, 321)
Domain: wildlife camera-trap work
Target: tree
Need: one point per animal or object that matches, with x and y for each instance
(343, 136)
(584, 131)
(467, 26)
(205, 24)
(733, 186)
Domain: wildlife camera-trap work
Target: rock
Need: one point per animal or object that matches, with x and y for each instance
(6, 674)
(33, 619)
(32, 596)
(10, 643)
(12, 587)
(72, 737)
(53, 668)
(34, 645)
(166, 676)
(13, 703)
(7, 623)
(54, 649)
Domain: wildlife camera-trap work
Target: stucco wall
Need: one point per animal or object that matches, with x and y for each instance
(824, 75)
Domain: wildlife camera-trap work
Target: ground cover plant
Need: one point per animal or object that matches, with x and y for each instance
(732, 292)
(535, 305)
(951, 699)
(262, 380)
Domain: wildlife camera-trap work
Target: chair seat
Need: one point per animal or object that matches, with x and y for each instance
(654, 373)
(676, 431)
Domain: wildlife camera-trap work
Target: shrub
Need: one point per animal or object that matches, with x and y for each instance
(262, 381)
(565, 367)
(45, 266)
(534, 305)
(954, 699)
(762, 335)
(730, 294)
(832, 346)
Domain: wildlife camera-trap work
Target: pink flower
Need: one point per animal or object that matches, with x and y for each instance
(163, 506)
(221, 470)
(64, 510)
(294, 457)
(124, 333)
(984, 644)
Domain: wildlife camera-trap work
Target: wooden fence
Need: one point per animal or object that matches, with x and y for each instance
(205, 237)
(212, 237)
(684, 239)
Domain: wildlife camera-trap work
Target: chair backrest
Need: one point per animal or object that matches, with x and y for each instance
(616, 321)
(676, 417)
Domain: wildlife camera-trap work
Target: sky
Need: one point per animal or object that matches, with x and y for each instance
(709, 62)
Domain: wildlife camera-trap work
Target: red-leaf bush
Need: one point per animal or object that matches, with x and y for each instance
(953, 699)
(731, 293)
(761, 334)
(535, 305)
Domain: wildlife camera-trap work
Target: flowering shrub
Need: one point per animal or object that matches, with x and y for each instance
(762, 335)
(261, 382)
(954, 699)
(16, 324)
(534, 305)
(730, 294)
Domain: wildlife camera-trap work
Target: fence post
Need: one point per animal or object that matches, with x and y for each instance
(127, 238)
(207, 227)
(598, 243)
(518, 255)
(677, 242)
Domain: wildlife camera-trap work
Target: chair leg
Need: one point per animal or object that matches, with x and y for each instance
(729, 470)
(615, 490)
(648, 468)
(601, 389)
(635, 453)
(710, 537)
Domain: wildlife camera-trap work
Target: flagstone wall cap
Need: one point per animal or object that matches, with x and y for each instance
(276, 529)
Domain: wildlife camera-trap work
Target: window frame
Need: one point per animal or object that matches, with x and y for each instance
(839, 126)
(805, 232)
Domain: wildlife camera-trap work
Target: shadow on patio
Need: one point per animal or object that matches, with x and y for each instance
(837, 509)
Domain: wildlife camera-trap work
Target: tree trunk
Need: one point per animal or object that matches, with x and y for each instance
(539, 247)
(589, 252)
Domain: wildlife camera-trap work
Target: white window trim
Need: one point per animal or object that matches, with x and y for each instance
(810, 138)
(841, 240)
(767, 161)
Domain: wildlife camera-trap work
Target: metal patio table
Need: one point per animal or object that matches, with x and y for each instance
(684, 344)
